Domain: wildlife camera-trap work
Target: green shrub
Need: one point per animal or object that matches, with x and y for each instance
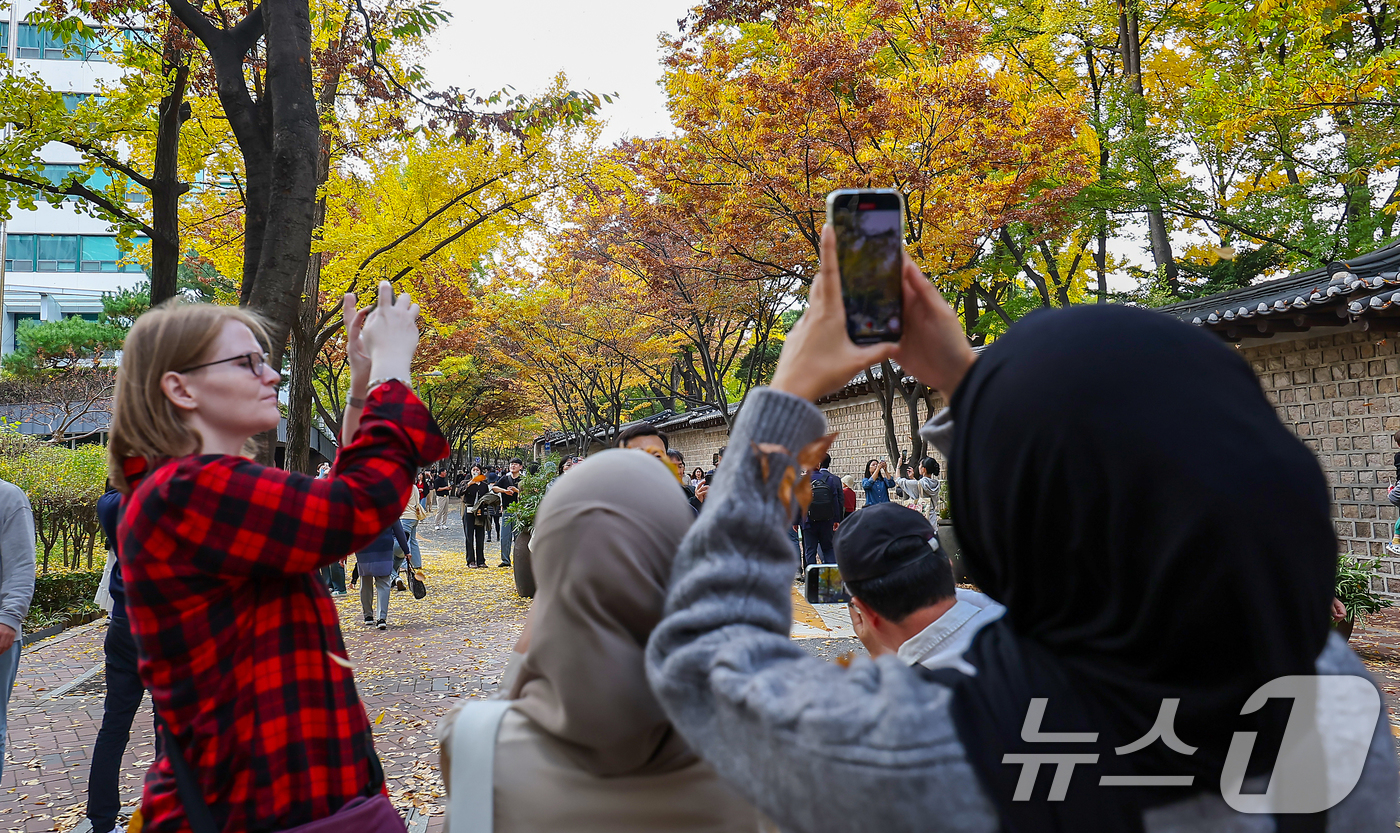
(532, 488)
(63, 486)
(60, 595)
(1354, 587)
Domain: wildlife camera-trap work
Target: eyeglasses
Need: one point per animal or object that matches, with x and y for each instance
(255, 362)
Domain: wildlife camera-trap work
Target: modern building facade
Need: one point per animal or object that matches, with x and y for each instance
(58, 263)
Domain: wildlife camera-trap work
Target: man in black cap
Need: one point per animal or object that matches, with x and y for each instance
(903, 599)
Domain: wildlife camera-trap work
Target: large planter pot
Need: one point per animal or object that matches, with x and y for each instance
(948, 542)
(520, 565)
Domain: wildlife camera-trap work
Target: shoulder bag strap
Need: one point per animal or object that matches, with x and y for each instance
(473, 749)
(196, 809)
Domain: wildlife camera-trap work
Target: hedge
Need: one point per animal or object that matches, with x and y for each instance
(63, 486)
(60, 595)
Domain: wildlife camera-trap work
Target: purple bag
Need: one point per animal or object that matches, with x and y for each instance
(362, 815)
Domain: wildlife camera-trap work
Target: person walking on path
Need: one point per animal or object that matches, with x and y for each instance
(877, 482)
(1104, 546)
(16, 590)
(442, 491)
(508, 487)
(848, 494)
(238, 642)
(474, 517)
(583, 745)
(123, 683)
(376, 566)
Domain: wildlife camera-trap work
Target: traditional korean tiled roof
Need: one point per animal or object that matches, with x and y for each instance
(1367, 286)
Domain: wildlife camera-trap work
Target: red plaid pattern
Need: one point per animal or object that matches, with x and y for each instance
(236, 634)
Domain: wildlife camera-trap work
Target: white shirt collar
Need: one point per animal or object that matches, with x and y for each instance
(942, 643)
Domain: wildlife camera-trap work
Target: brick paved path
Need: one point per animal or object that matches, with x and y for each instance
(452, 644)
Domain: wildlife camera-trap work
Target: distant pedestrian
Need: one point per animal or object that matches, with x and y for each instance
(823, 514)
(410, 517)
(697, 478)
(924, 489)
(376, 565)
(877, 482)
(474, 518)
(508, 487)
(848, 494)
(493, 513)
(442, 490)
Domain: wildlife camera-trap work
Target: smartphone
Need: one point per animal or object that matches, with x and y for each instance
(869, 228)
(824, 585)
(709, 477)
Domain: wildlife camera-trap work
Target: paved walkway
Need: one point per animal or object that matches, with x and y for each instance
(454, 643)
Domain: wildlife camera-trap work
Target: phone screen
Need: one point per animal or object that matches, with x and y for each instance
(824, 585)
(869, 228)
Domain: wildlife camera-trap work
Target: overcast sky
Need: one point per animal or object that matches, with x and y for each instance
(605, 46)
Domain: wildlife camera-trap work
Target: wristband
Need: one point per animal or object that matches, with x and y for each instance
(356, 402)
(374, 383)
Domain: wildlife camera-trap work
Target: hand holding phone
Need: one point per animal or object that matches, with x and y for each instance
(818, 356)
(869, 228)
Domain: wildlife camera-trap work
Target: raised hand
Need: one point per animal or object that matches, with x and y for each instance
(390, 334)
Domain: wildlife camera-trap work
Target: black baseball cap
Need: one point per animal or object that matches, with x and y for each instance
(865, 541)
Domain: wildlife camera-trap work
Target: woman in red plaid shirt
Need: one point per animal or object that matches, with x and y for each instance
(239, 643)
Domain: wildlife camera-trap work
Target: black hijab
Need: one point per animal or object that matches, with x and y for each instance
(1123, 486)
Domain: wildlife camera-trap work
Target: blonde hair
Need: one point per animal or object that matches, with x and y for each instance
(145, 423)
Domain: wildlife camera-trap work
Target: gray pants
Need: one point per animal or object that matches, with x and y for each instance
(368, 584)
(444, 503)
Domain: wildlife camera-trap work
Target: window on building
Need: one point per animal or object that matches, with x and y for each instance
(86, 316)
(19, 253)
(35, 42)
(67, 253)
(57, 253)
(5, 36)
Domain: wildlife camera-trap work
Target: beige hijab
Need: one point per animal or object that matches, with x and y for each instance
(602, 549)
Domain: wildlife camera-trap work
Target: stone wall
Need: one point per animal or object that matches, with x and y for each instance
(860, 436)
(1337, 392)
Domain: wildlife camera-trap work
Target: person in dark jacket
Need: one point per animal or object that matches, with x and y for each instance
(475, 521)
(827, 509)
(124, 688)
(376, 566)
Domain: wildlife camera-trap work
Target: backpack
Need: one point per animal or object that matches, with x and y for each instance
(823, 507)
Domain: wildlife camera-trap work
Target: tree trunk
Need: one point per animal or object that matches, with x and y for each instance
(888, 389)
(304, 334)
(912, 397)
(166, 187)
(296, 130)
(1130, 45)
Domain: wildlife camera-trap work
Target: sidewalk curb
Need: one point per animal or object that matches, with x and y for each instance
(69, 631)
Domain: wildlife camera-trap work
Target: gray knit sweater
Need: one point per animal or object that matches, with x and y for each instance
(819, 747)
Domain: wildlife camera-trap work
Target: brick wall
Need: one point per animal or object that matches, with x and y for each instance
(1337, 392)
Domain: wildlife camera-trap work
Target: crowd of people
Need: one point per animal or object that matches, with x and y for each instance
(655, 685)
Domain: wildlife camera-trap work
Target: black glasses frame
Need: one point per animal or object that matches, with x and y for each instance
(256, 363)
